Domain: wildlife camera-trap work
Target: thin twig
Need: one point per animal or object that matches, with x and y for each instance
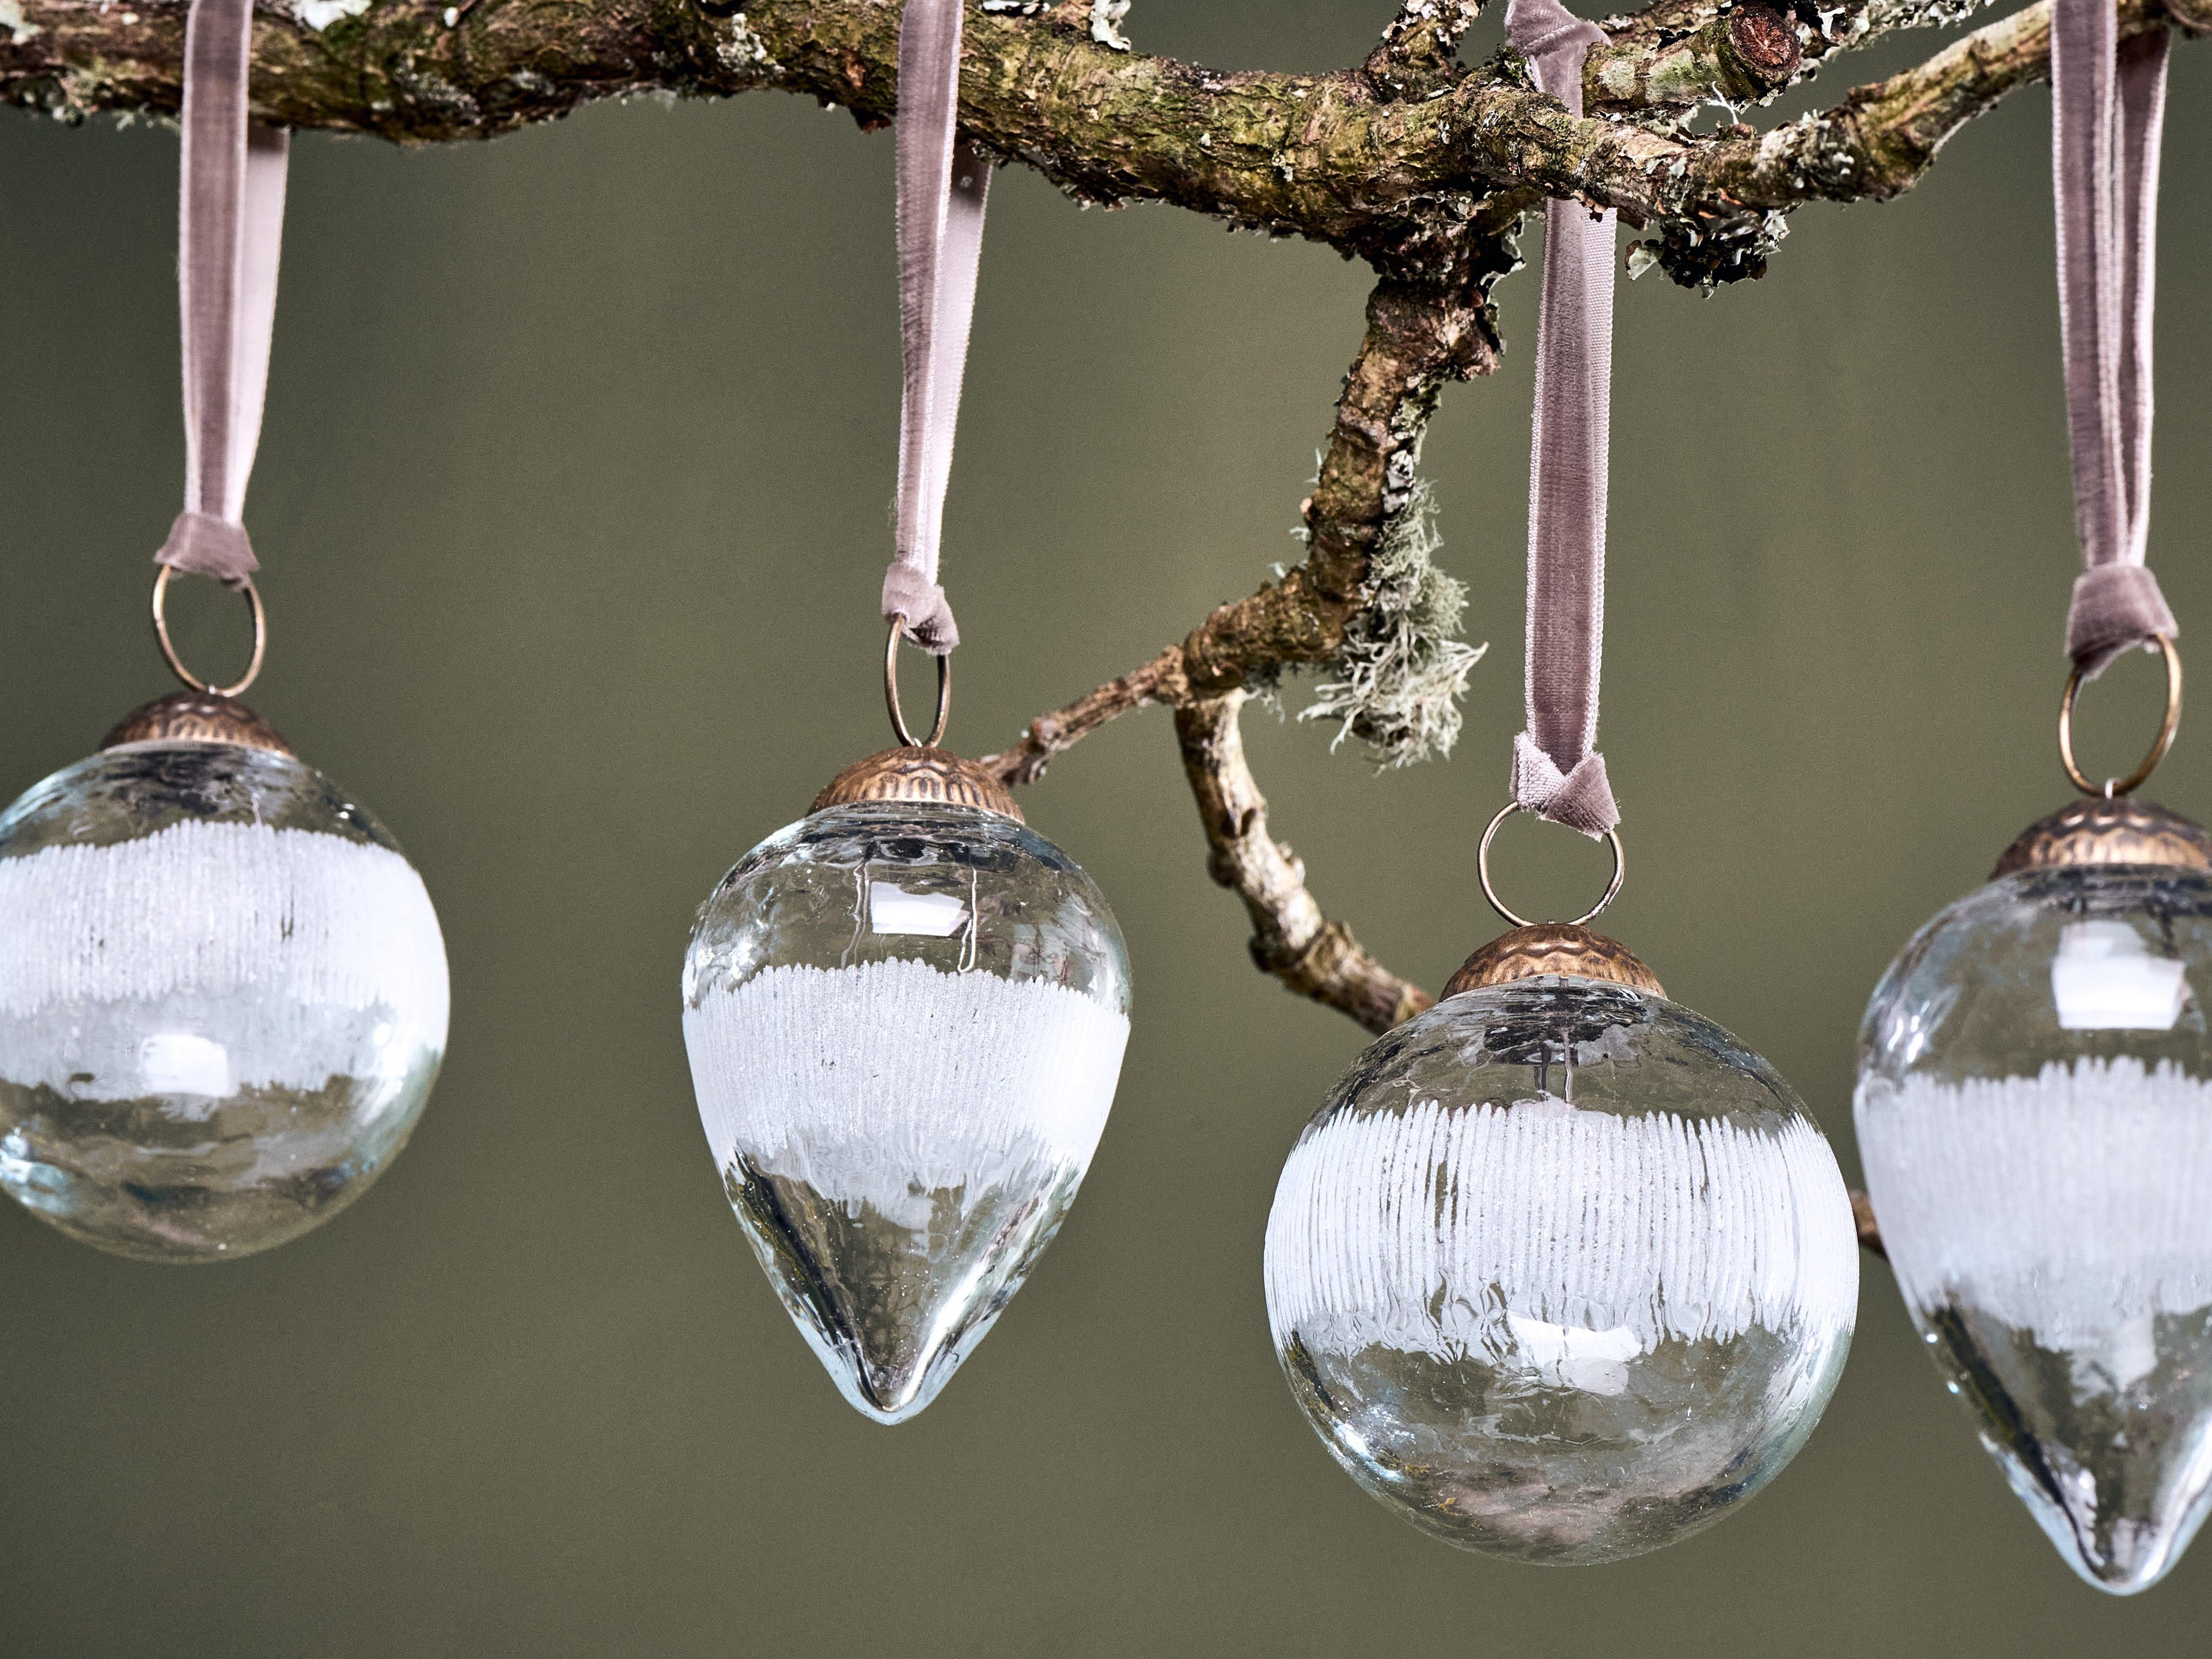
(1158, 681)
(1290, 937)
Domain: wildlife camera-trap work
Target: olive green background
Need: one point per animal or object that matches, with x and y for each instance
(573, 502)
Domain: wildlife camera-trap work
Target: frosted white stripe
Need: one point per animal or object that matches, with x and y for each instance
(2061, 1204)
(873, 1081)
(278, 919)
(1423, 1230)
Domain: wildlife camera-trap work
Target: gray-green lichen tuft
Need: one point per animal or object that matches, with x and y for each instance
(1711, 248)
(1397, 682)
(1106, 17)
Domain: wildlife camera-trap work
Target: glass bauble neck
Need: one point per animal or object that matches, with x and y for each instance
(920, 773)
(197, 717)
(1552, 948)
(2108, 829)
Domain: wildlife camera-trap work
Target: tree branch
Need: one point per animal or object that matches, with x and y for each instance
(1418, 339)
(1290, 937)
(1881, 141)
(1671, 54)
(1419, 51)
(1741, 55)
(1391, 165)
(1160, 682)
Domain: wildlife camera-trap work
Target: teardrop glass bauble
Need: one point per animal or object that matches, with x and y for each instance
(2034, 1109)
(222, 1000)
(1561, 1271)
(905, 1022)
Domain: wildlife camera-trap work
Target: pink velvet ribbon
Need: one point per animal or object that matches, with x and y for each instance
(1557, 770)
(230, 226)
(2108, 107)
(942, 187)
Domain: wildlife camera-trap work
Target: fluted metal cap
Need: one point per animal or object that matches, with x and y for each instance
(1552, 947)
(2098, 829)
(917, 774)
(197, 717)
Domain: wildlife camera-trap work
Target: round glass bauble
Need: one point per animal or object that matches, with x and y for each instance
(222, 1000)
(1561, 1271)
(2034, 1109)
(905, 1022)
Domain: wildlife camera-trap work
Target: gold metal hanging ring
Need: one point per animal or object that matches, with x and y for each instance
(1482, 867)
(890, 691)
(2167, 728)
(177, 663)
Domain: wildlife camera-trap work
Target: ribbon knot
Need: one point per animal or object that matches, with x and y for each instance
(1581, 798)
(2117, 608)
(208, 546)
(929, 623)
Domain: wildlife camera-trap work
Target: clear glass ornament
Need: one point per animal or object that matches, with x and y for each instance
(906, 1021)
(2034, 1109)
(222, 1000)
(1561, 1271)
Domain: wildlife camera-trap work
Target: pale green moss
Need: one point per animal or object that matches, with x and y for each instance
(1397, 682)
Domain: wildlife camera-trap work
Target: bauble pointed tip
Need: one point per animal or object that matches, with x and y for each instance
(896, 1395)
(2141, 1551)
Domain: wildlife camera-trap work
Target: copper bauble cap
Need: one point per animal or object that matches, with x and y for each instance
(919, 774)
(197, 717)
(2100, 829)
(1553, 947)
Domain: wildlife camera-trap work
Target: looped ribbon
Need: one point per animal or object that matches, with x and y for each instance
(1557, 771)
(942, 185)
(230, 225)
(2107, 110)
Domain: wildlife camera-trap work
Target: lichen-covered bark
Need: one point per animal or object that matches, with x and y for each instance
(1736, 56)
(1418, 54)
(1881, 141)
(1329, 156)
(1418, 340)
(1389, 160)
